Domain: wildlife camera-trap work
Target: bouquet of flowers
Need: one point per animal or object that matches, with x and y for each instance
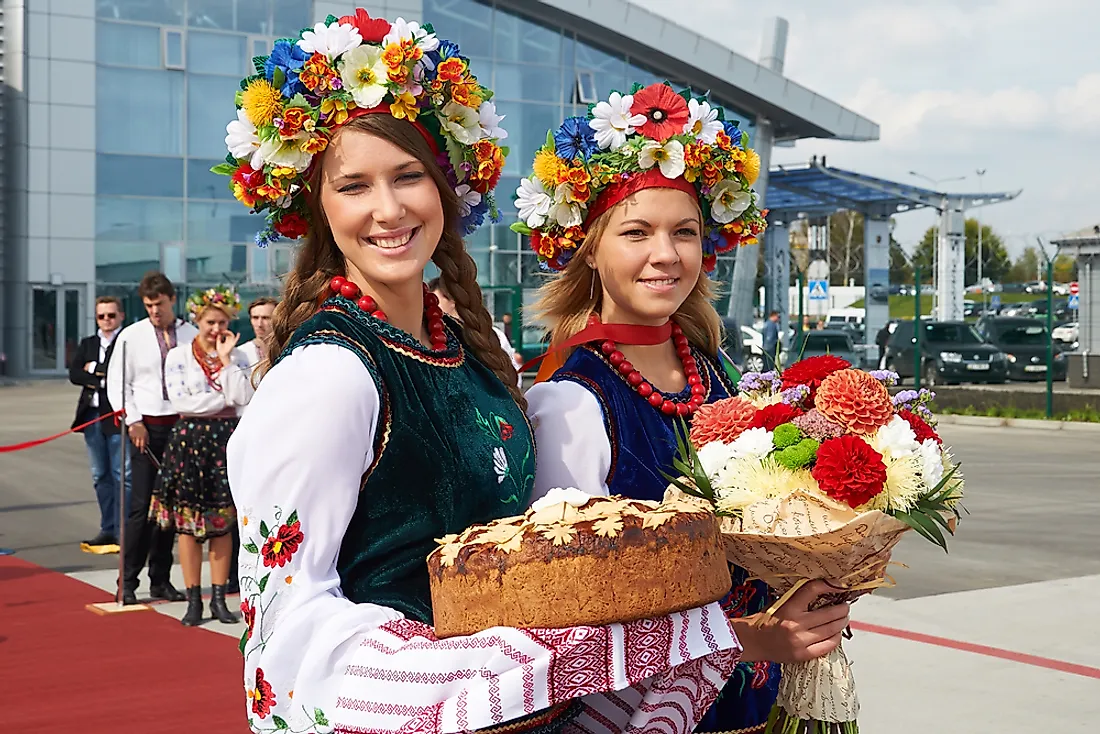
(817, 473)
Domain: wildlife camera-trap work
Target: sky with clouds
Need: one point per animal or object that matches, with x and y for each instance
(1009, 86)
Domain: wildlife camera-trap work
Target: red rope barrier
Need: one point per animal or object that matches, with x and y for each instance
(40, 441)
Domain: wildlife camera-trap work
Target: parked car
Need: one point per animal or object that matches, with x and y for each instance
(837, 342)
(1067, 333)
(1024, 342)
(951, 352)
(733, 343)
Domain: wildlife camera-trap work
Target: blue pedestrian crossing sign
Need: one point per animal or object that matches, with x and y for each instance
(995, 301)
(819, 290)
(1074, 302)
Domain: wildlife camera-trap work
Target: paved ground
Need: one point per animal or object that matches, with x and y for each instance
(1022, 577)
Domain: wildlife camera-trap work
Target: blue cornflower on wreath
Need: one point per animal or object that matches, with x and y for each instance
(574, 138)
(734, 133)
(284, 65)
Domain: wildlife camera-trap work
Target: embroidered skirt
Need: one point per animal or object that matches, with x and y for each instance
(191, 495)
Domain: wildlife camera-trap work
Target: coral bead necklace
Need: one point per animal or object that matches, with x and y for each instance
(644, 388)
(433, 314)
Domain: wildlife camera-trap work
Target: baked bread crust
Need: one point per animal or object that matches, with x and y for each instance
(608, 560)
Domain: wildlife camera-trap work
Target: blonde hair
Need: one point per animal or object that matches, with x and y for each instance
(320, 259)
(565, 303)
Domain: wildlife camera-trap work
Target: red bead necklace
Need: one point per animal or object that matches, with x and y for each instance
(437, 332)
(646, 390)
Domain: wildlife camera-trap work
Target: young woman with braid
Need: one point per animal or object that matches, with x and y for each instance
(382, 424)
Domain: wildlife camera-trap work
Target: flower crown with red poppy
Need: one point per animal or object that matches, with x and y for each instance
(223, 297)
(651, 138)
(340, 69)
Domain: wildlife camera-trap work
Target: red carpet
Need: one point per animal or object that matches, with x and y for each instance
(65, 669)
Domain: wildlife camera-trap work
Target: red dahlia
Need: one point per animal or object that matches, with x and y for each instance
(263, 697)
(773, 416)
(919, 426)
(849, 470)
(665, 111)
(811, 371)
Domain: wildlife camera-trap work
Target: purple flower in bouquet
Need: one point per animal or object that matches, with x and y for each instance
(795, 395)
(886, 377)
(763, 382)
(817, 426)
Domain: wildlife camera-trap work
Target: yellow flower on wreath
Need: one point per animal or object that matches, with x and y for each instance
(404, 107)
(336, 110)
(261, 102)
(548, 168)
(752, 166)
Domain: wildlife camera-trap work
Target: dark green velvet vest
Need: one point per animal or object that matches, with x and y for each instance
(451, 449)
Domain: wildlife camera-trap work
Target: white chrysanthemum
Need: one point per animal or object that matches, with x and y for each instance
(612, 121)
(729, 201)
(490, 122)
(895, 439)
(242, 141)
(713, 457)
(330, 40)
(755, 443)
(285, 153)
(669, 155)
(932, 463)
(402, 30)
(533, 202)
(461, 122)
(741, 479)
(904, 484)
(364, 75)
(565, 210)
(702, 122)
(467, 199)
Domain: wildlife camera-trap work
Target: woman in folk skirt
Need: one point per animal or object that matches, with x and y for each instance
(208, 382)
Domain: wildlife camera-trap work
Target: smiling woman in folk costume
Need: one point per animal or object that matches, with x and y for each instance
(632, 204)
(382, 425)
(207, 382)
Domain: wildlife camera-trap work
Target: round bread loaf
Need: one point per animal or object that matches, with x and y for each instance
(591, 561)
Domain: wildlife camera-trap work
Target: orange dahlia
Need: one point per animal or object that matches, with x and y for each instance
(855, 400)
(723, 421)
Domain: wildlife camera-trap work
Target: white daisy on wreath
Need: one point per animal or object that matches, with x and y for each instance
(703, 122)
(330, 40)
(533, 202)
(612, 121)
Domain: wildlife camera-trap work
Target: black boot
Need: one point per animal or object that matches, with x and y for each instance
(218, 609)
(166, 591)
(193, 616)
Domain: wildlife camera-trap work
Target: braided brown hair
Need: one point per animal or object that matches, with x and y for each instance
(319, 260)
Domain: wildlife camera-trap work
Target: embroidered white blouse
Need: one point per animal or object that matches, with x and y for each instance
(574, 450)
(192, 394)
(317, 662)
(143, 392)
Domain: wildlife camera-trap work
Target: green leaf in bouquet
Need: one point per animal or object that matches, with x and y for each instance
(924, 525)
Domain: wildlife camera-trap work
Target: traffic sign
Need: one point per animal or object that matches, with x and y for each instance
(995, 301)
(1074, 289)
(1074, 302)
(819, 290)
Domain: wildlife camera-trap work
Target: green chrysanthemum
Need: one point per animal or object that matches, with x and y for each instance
(799, 455)
(786, 435)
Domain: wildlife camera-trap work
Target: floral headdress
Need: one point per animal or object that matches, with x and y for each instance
(223, 297)
(340, 69)
(651, 138)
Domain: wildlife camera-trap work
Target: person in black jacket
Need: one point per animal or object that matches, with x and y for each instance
(103, 439)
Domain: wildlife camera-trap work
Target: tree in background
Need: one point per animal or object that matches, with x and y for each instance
(996, 263)
(1029, 266)
(1065, 269)
(901, 269)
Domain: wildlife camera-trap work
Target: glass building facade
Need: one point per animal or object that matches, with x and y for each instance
(163, 75)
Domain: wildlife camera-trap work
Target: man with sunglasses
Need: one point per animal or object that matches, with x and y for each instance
(103, 439)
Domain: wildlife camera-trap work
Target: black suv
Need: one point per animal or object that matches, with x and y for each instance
(951, 351)
(1024, 342)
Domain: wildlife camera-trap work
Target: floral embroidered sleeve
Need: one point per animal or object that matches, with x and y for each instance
(236, 380)
(316, 662)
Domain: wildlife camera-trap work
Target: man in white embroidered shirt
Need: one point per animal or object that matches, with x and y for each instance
(149, 421)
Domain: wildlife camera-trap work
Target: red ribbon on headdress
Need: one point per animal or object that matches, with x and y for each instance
(648, 179)
(385, 107)
(618, 333)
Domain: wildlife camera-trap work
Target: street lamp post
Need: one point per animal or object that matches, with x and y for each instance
(937, 182)
(980, 172)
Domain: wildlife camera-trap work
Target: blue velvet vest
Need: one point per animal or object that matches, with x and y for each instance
(643, 443)
(452, 449)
